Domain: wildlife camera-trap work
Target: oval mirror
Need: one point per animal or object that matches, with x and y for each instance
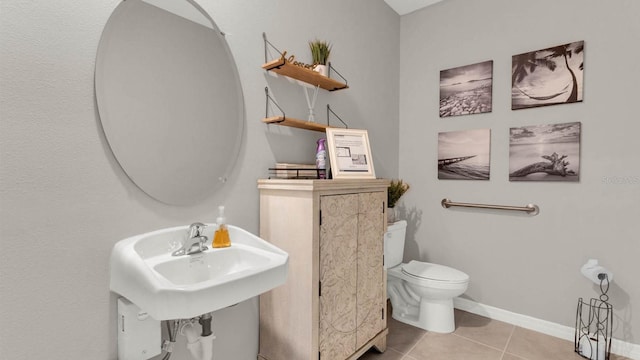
(169, 98)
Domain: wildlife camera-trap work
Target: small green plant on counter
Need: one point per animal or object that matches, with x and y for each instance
(320, 51)
(397, 188)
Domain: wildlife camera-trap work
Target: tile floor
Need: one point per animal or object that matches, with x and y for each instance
(475, 338)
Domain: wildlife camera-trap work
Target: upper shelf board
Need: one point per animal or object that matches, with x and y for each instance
(283, 67)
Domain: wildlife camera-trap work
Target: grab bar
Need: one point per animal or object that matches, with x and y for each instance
(529, 209)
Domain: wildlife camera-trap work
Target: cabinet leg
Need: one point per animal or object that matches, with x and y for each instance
(381, 344)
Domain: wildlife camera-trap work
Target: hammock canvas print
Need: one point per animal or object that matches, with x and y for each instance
(547, 77)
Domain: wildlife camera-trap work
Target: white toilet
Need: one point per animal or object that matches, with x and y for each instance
(421, 293)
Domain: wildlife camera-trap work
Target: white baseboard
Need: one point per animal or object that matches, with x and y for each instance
(618, 347)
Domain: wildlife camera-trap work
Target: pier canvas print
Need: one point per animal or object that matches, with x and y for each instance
(545, 152)
(466, 90)
(464, 155)
(547, 77)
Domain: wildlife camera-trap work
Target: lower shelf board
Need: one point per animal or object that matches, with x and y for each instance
(296, 123)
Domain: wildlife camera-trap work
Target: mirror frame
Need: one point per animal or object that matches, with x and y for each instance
(189, 161)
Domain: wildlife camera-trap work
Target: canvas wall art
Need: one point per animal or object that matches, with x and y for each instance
(464, 155)
(466, 90)
(545, 152)
(547, 77)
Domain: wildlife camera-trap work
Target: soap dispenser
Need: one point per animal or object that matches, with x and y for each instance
(221, 236)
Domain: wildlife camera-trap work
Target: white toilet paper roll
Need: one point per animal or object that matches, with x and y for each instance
(592, 347)
(594, 272)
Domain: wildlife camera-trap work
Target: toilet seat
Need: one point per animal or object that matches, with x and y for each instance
(434, 272)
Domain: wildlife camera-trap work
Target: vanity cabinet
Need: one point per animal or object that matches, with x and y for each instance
(333, 304)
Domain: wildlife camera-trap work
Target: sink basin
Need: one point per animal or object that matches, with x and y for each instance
(182, 287)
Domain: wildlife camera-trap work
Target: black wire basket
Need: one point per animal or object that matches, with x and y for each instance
(594, 325)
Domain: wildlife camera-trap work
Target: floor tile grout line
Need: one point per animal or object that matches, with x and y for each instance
(414, 345)
(504, 350)
(506, 346)
(478, 342)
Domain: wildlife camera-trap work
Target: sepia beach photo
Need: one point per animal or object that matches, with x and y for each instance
(464, 155)
(466, 90)
(547, 77)
(545, 152)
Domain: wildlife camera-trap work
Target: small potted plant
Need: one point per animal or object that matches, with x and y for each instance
(320, 51)
(397, 188)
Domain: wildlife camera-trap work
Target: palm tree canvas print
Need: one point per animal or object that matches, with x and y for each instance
(466, 89)
(547, 77)
(545, 152)
(464, 155)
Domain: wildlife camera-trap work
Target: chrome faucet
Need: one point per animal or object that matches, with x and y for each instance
(195, 242)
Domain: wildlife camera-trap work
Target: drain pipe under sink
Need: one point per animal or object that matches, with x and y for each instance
(206, 340)
(200, 345)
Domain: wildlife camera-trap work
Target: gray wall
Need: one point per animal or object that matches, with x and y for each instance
(64, 200)
(528, 265)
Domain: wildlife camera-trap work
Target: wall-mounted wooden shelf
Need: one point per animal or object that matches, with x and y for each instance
(283, 67)
(296, 123)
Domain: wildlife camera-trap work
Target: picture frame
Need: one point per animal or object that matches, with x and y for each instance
(548, 76)
(464, 154)
(466, 90)
(549, 152)
(350, 154)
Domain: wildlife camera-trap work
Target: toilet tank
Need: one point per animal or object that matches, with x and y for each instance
(394, 243)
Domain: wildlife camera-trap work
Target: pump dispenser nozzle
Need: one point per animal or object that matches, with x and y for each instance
(221, 219)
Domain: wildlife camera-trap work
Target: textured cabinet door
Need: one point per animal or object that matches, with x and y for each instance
(371, 294)
(338, 275)
(351, 272)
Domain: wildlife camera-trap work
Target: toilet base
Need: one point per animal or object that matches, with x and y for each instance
(433, 315)
(427, 306)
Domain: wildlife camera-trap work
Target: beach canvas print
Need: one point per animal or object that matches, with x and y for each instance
(464, 155)
(545, 152)
(547, 77)
(466, 90)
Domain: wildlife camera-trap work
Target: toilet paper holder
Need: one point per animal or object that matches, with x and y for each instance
(596, 273)
(594, 320)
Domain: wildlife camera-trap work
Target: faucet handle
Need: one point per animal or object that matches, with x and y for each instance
(195, 230)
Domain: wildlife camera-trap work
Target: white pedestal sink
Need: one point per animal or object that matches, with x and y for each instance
(182, 287)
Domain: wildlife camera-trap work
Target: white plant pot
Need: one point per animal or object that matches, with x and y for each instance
(322, 69)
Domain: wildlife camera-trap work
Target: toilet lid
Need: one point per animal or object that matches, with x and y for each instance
(436, 272)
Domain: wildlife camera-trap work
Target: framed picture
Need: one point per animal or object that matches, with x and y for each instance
(547, 77)
(350, 154)
(464, 154)
(545, 152)
(466, 89)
